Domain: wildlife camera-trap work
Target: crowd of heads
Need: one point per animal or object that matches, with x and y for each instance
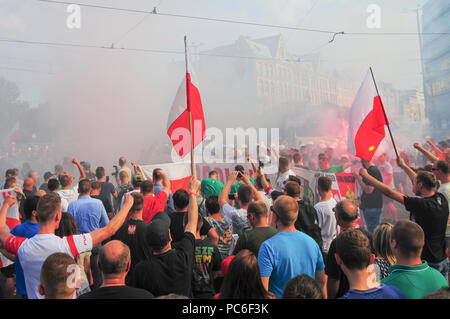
(354, 250)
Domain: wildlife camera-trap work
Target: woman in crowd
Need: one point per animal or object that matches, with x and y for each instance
(243, 279)
(384, 258)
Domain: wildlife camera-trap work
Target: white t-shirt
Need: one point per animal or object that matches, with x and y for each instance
(445, 190)
(279, 184)
(386, 170)
(64, 205)
(34, 251)
(327, 221)
(70, 195)
(238, 217)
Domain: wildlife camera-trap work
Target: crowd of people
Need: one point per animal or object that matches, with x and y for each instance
(248, 238)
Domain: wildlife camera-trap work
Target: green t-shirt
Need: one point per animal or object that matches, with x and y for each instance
(235, 187)
(415, 282)
(211, 187)
(253, 239)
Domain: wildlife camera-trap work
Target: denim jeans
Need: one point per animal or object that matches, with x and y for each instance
(442, 267)
(372, 218)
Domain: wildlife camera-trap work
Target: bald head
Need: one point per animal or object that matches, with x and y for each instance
(114, 258)
(28, 184)
(286, 210)
(346, 211)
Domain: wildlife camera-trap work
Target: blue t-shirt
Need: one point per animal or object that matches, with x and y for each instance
(286, 255)
(89, 214)
(27, 230)
(380, 292)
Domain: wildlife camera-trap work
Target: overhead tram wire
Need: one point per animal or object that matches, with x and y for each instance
(155, 12)
(75, 45)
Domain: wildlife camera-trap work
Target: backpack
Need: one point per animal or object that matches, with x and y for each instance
(308, 222)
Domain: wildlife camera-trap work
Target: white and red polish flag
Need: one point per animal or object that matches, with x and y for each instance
(12, 220)
(178, 174)
(367, 120)
(186, 101)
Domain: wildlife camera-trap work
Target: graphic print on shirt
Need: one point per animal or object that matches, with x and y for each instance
(131, 229)
(203, 259)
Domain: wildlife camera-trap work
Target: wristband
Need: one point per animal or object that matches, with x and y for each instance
(191, 193)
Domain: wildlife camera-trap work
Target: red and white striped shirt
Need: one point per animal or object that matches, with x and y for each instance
(32, 253)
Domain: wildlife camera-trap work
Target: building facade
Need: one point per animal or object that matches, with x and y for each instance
(436, 63)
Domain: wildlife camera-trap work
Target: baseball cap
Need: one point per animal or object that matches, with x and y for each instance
(157, 234)
(211, 187)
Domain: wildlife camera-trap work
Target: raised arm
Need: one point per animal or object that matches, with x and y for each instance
(411, 174)
(436, 149)
(366, 188)
(194, 191)
(7, 203)
(255, 173)
(226, 189)
(383, 188)
(255, 191)
(433, 158)
(80, 168)
(114, 224)
(137, 170)
(165, 182)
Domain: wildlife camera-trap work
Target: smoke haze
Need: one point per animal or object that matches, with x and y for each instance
(112, 103)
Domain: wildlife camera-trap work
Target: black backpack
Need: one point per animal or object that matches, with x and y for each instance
(308, 222)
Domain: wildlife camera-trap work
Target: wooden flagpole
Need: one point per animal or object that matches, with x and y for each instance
(384, 112)
(188, 106)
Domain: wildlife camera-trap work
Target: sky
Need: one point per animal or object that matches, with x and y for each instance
(395, 58)
(122, 84)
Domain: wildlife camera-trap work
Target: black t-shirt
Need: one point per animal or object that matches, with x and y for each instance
(431, 213)
(132, 233)
(105, 202)
(117, 292)
(253, 239)
(107, 190)
(207, 260)
(334, 271)
(177, 228)
(167, 273)
(374, 199)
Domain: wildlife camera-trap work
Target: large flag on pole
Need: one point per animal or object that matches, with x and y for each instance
(187, 101)
(367, 120)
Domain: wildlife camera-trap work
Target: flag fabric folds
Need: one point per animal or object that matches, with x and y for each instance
(367, 120)
(187, 100)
